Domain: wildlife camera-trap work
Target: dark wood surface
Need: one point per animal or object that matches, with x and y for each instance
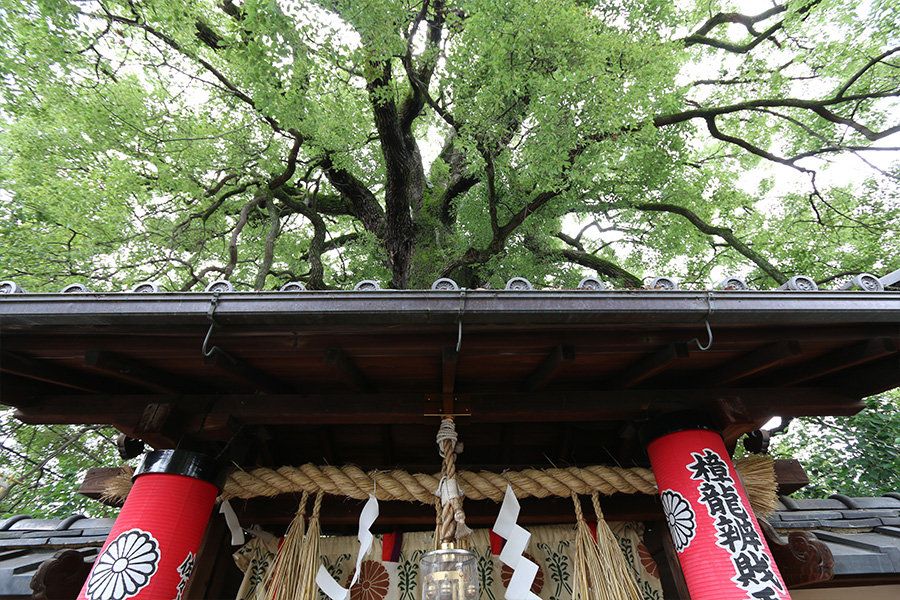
(545, 379)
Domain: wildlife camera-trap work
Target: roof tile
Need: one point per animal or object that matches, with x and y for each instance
(819, 504)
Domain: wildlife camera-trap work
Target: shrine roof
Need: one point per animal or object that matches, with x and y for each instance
(863, 534)
(26, 543)
(543, 376)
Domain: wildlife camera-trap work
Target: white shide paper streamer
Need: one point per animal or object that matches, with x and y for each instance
(325, 581)
(516, 538)
(234, 526)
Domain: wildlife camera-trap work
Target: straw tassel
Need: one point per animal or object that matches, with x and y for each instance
(310, 556)
(618, 572)
(587, 580)
(283, 578)
(593, 579)
(757, 473)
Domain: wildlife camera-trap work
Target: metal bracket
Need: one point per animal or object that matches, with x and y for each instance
(448, 405)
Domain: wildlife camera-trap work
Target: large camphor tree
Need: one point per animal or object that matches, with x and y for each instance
(267, 141)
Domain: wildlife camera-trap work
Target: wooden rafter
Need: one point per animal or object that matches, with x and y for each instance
(43, 370)
(651, 365)
(347, 371)
(838, 360)
(754, 362)
(551, 365)
(242, 370)
(135, 372)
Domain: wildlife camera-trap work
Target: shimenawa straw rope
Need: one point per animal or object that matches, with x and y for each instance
(757, 473)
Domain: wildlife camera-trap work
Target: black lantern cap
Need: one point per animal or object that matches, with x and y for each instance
(685, 420)
(181, 462)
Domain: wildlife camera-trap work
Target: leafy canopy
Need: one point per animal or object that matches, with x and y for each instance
(856, 456)
(267, 141)
(38, 466)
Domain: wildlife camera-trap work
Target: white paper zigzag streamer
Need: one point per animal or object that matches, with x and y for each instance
(516, 538)
(325, 581)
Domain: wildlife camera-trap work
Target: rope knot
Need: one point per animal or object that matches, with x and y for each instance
(447, 431)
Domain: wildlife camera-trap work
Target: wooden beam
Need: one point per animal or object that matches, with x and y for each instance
(672, 577)
(387, 445)
(548, 369)
(734, 417)
(347, 371)
(127, 369)
(231, 364)
(47, 371)
(565, 442)
(18, 391)
(215, 544)
(212, 426)
(326, 440)
(869, 379)
(505, 442)
(790, 475)
(838, 360)
(647, 367)
(337, 409)
(450, 357)
(95, 481)
(754, 362)
(157, 426)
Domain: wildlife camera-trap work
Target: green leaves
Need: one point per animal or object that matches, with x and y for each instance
(856, 456)
(41, 467)
(135, 134)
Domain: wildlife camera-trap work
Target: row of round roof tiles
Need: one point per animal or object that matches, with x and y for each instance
(801, 283)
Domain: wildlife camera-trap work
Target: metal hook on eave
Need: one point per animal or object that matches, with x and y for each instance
(210, 314)
(462, 309)
(709, 332)
(709, 312)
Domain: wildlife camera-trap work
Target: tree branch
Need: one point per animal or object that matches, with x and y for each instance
(599, 265)
(748, 21)
(363, 203)
(236, 232)
(849, 83)
(269, 248)
(758, 38)
(419, 79)
(315, 279)
(811, 105)
(142, 24)
(482, 255)
(277, 182)
(741, 143)
(870, 135)
(723, 232)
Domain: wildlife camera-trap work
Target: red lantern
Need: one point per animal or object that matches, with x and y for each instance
(153, 545)
(722, 551)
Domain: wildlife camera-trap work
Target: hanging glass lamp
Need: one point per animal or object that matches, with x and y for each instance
(449, 574)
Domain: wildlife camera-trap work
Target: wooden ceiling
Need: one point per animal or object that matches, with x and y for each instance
(543, 377)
